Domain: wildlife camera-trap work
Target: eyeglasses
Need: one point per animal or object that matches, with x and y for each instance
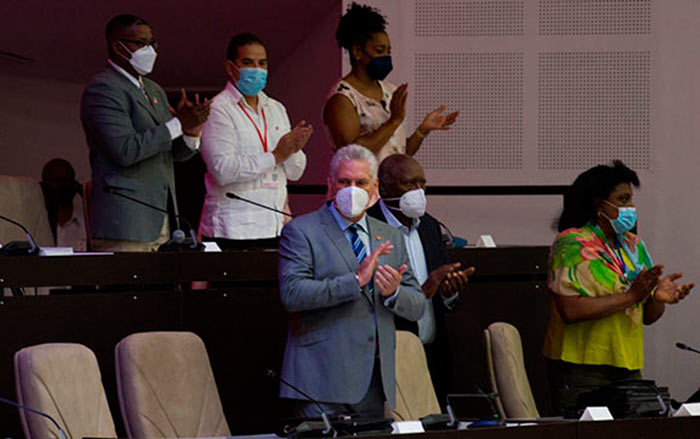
(142, 43)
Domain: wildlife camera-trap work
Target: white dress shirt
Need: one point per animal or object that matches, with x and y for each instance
(414, 247)
(174, 126)
(236, 162)
(73, 233)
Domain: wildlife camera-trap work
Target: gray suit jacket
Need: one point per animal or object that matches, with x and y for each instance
(131, 151)
(333, 323)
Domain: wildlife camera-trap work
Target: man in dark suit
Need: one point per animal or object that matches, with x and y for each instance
(343, 276)
(134, 137)
(402, 205)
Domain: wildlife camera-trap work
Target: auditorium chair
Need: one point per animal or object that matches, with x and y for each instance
(166, 387)
(415, 395)
(62, 380)
(504, 359)
(22, 200)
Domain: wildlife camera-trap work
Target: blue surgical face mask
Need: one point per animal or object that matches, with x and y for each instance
(626, 219)
(380, 67)
(251, 80)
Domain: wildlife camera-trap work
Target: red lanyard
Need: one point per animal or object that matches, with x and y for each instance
(263, 140)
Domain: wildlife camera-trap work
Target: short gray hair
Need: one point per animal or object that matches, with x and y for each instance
(354, 152)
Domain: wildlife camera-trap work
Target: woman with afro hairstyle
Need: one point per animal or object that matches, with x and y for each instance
(362, 108)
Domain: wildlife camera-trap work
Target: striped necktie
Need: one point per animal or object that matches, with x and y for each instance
(357, 246)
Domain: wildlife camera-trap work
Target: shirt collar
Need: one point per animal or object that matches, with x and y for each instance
(129, 76)
(344, 223)
(394, 222)
(237, 96)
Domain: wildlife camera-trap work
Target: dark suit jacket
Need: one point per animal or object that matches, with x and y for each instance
(333, 323)
(438, 353)
(131, 151)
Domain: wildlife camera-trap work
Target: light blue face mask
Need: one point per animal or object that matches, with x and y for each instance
(251, 80)
(626, 219)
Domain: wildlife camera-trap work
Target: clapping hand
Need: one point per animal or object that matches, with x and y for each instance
(293, 141)
(369, 264)
(398, 104)
(388, 279)
(192, 115)
(645, 282)
(455, 281)
(668, 291)
(436, 120)
(446, 279)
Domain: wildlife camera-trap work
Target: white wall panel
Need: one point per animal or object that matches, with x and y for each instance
(599, 80)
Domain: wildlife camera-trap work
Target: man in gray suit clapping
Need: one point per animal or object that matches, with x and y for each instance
(343, 275)
(133, 137)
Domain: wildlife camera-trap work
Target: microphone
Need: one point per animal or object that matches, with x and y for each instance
(178, 241)
(685, 347)
(61, 433)
(18, 247)
(236, 197)
(326, 422)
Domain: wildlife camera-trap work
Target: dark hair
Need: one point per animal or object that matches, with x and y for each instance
(358, 25)
(57, 164)
(580, 199)
(241, 40)
(121, 22)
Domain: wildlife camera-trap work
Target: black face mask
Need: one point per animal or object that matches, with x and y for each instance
(380, 67)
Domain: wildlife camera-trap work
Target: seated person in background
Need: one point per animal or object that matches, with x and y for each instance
(249, 150)
(134, 137)
(361, 107)
(64, 203)
(604, 287)
(343, 276)
(402, 205)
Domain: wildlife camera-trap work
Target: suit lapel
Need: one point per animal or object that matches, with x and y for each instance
(341, 243)
(143, 101)
(337, 237)
(136, 93)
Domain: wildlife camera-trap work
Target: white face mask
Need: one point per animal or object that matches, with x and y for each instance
(351, 201)
(143, 59)
(412, 203)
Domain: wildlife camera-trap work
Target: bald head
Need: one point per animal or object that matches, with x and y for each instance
(398, 174)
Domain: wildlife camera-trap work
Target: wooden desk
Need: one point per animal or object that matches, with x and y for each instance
(243, 323)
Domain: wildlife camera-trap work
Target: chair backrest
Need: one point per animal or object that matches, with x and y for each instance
(63, 380)
(22, 200)
(504, 358)
(167, 388)
(415, 395)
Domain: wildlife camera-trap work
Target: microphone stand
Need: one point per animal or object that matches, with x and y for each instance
(236, 197)
(16, 247)
(326, 422)
(178, 238)
(61, 433)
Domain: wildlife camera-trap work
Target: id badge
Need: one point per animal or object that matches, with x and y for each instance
(270, 179)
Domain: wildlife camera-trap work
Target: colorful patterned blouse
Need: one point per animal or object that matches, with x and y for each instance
(583, 262)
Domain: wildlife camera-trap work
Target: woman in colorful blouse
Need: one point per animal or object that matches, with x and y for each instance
(604, 287)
